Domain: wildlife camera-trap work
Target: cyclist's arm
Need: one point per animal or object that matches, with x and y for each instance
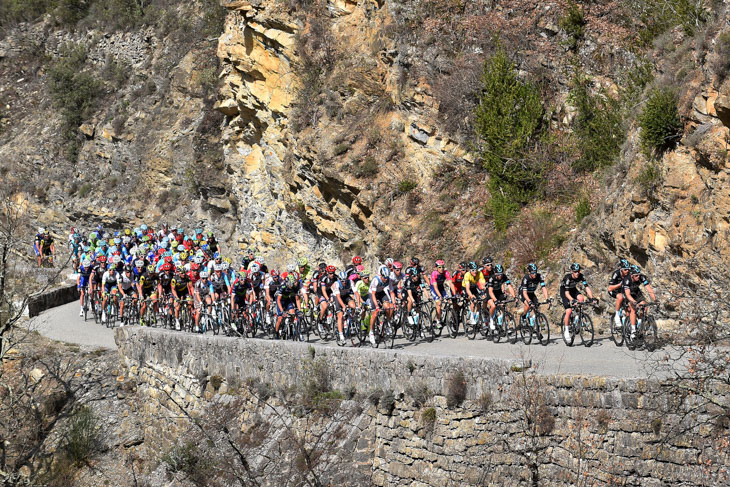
(491, 294)
(650, 290)
(588, 291)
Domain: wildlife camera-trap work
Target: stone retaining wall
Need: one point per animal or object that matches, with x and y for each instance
(50, 299)
(513, 427)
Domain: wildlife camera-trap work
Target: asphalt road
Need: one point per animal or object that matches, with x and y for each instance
(603, 358)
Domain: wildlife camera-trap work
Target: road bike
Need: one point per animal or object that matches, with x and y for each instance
(580, 324)
(504, 323)
(646, 329)
(617, 333)
(533, 322)
(477, 322)
(384, 329)
(350, 327)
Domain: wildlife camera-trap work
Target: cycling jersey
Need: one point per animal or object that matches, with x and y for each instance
(616, 278)
(496, 284)
(438, 279)
(180, 283)
(395, 281)
(326, 283)
(109, 280)
(165, 280)
(570, 285)
(362, 288)
(147, 281)
(272, 284)
(203, 288)
(378, 285)
(126, 282)
(343, 290)
(474, 282)
(530, 284)
(220, 283)
(413, 286)
(634, 287)
(98, 274)
(240, 286)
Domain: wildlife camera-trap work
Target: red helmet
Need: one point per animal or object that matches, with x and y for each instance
(101, 259)
(331, 269)
(117, 253)
(168, 259)
(166, 267)
(360, 268)
(397, 265)
(439, 263)
(357, 260)
(274, 273)
(194, 266)
(160, 251)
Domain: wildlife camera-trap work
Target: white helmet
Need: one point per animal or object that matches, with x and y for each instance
(259, 259)
(217, 267)
(198, 259)
(224, 266)
(389, 261)
(203, 274)
(291, 268)
(41, 230)
(255, 267)
(117, 259)
(86, 262)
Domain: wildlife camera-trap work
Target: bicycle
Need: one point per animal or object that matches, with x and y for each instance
(111, 310)
(617, 333)
(85, 306)
(130, 316)
(384, 329)
(350, 326)
(482, 318)
(646, 329)
(533, 322)
(422, 325)
(580, 324)
(504, 323)
(449, 315)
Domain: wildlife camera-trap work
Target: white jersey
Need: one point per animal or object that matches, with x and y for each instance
(110, 277)
(395, 281)
(126, 282)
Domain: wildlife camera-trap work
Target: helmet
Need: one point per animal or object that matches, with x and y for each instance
(498, 269)
(415, 261)
(273, 273)
(389, 261)
(302, 261)
(342, 276)
(151, 269)
(531, 268)
(624, 264)
(439, 263)
(194, 267)
(463, 265)
(255, 267)
(163, 244)
(117, 259)
(217, 255)
(331, 269)
(224, 266)
(357, 260)
(203, 274)
(139, 264)
(635, 270)
(291, 268)
(41, 230)
(291, 281)
(180, 248)
(412, 271)
(322, 266)
(183, 255)
(218, 267)
(473, 266)
(101, 259)
(397, 265)
(180, 271)
(143, 227)
(486, 260)
(117, 240)
(575, 267)
(259, 259)
(364, 274)
(168, 258)
(127, 268)
(86, 262)
(198, 259)
(166, 267)
(384, 272)
(360, 268)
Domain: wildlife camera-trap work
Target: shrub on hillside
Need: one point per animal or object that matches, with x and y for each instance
(598, 126)
(507, 122)
(573, 23)
(660, 123)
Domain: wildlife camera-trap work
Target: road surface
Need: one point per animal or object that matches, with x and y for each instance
(603, 358)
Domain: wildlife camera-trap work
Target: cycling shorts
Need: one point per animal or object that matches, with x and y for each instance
(381, 297)
(445, 293)
(498, 295)
(182, 294)
(147, 292)
(345, 299)
(530, 296)
(573, 294)
(286, 305)
(108, 287)
(239, 299)
(83, 282)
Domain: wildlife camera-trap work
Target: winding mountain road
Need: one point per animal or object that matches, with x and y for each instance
(603, 358)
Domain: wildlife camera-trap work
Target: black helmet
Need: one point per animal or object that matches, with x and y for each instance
(635, 270)
(575, 267)
(415, 261)
(498, 269)
(486, 260)
(624, 264)
(531, 268)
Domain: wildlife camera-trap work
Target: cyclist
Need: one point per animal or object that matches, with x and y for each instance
(569, 292)
(487, 268)
(497, 285)
(256, 278)
(362, 288)
(44, 246)
(248, 258)
(109, 283)
(396, 279)
(380, 294)
(219, 281)
(352, 268)
(271, 285)
(147, 288)
(181, 290)
(474, 284)
(615, 287)
(82, 282)
(97, 274)
(412, 288)
(441, 287)
(203, 293)
(287, 300)
(126, 287)
(323, 292)
(343, 295)
(632, 291)
(529, 285)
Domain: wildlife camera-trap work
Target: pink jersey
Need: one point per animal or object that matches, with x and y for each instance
(437, 279)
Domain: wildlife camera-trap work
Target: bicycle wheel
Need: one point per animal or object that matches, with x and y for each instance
(649, 329)
(586, 331)
(406, 326)
(86, 304)
(451, 321)
(362, 328)
(389, 332)
(498, 332)
(542, 328)
(470, 329)
(525, 330)
(617, 334)
(510, 328)
(570, 337)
